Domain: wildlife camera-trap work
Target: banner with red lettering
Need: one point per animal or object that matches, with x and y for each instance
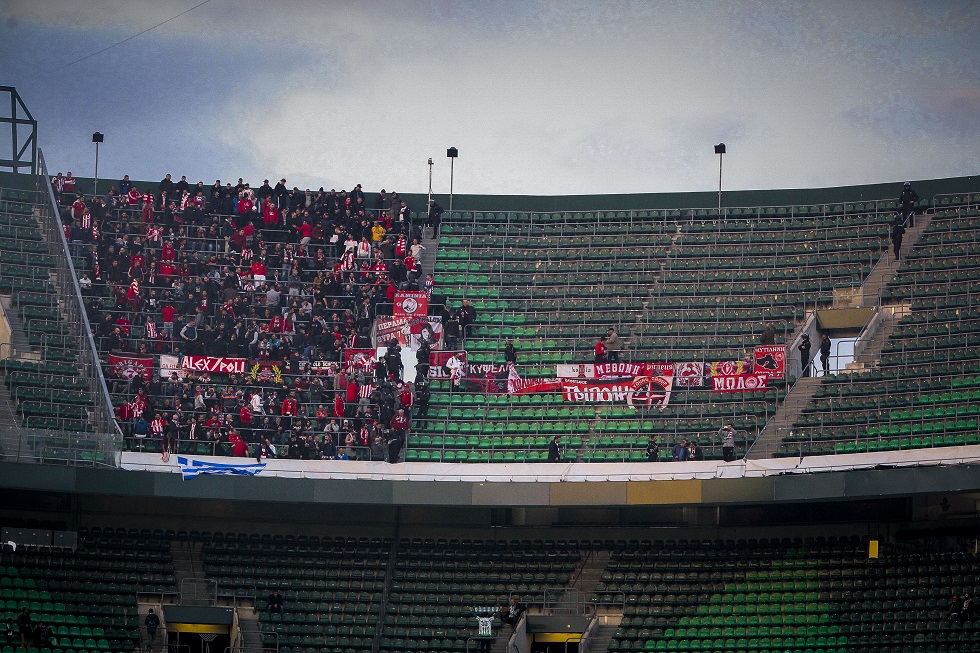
(739, 382)
(411, 303)
(613, 370)
(639, 392)
(129, 367)
(728, 368)
(771, 360)
(409, 331)
(533, 386)
(359, 360)
(213, 364)
(689, 375)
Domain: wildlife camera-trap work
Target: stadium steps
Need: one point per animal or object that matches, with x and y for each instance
(589, 572)
(10, 442)
(887, 267)
(603, 633)
(786, 414)
(187, 560)
(143, 609)
(870, 356)
(251, 633)
(20, 345)
(428, 258)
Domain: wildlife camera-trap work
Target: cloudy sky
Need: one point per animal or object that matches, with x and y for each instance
(540, 97)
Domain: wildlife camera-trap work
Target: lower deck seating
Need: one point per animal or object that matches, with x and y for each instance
(87, 596)
(786, 595)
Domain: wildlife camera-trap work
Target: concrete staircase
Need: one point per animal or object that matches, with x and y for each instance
(157, 644)
(188, 563)
(886, 268)
(19, 346)
(251, 632)
(603, 633)
(12, 444)
(791, 407)
(428, 258)
(589, 573)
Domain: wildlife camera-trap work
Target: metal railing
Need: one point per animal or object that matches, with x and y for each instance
(107, 436)
(813, 441)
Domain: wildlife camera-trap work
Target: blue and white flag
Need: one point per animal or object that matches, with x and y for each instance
(194, 468)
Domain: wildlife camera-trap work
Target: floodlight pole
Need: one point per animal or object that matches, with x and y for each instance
(720, 158)
(97, 138)
(720, 151)
(452, 153)
(428, 207)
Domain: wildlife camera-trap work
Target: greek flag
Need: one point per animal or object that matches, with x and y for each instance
(194, 468)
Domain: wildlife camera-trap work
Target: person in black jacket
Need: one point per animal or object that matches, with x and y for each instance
(435, 217)
(898, 232)
(825, 353)
(906, 203)
(804, 348)
(554, 451)
(510, 353)
(281, 195)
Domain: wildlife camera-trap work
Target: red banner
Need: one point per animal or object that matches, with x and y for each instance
(641, 391)
(213, 364)
(129, 367)
(411, 303)
(739, 382)
(534, 386)
(771, 360)
(359, 360)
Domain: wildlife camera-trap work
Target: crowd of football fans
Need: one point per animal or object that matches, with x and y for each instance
(286, 279)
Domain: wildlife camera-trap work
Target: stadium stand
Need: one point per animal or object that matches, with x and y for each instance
(677, 285)
(333, 588)
(253, 276)
(818, 595)
(925, 388)
(49, 369)
(88, 596)
(347, 593)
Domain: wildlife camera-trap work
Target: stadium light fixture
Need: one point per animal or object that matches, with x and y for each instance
(97, 138)
(720, 151)
(428, 206)
(452, 153)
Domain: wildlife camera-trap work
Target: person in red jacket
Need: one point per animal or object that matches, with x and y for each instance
(338, 406)
(258, 269)
(270, 215)
(245, 421)
(600, 351)
(352, 393)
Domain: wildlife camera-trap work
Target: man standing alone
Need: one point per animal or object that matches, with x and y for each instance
(727, 435)
(825, 353)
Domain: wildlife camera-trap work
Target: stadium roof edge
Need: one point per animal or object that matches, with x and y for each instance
(880, 482)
